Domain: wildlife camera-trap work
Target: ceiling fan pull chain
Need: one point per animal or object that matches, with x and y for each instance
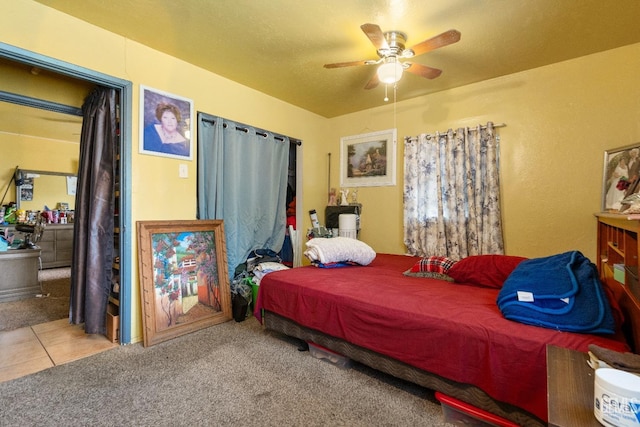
(386, 98)
(395, 99)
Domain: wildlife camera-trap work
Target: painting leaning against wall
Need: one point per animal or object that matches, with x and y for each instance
(183, 276)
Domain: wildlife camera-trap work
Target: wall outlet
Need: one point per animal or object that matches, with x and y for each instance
(183, 171)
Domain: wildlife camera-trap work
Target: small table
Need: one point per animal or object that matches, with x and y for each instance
(570, 382)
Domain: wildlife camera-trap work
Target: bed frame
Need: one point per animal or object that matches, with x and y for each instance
(465, 392)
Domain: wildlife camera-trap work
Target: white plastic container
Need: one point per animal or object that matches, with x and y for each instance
(347, 226)
(616, 398)
(332, 357)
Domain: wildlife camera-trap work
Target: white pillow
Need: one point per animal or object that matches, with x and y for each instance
(339, 249)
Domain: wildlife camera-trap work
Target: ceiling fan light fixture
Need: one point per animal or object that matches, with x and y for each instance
(390, 72)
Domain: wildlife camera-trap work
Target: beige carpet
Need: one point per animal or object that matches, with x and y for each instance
(54, 273)
(52, 304)
(232, 374)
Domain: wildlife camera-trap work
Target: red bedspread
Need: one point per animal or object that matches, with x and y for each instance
(453, 330)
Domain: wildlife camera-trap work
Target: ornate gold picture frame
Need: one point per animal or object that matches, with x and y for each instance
(184, 282)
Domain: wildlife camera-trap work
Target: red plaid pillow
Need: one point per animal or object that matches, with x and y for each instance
(433, 264)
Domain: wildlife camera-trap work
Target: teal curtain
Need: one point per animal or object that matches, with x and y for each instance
(242, 179)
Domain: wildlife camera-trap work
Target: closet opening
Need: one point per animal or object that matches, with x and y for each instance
(249, 178)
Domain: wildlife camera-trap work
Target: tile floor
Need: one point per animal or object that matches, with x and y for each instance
(31, 349)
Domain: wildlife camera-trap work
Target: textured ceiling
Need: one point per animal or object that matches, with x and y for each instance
(279, 46)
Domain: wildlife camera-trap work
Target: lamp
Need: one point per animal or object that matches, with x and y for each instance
(390, 72)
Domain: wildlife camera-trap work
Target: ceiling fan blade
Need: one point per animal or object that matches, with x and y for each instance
(376, 36)
(345, 64)
(423, 70)
(444, 39)
(373, 82)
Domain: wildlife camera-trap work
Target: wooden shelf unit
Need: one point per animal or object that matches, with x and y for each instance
(114, 294)
(618, 244)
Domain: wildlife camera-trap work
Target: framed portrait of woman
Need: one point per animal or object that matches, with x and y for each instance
(165, 124)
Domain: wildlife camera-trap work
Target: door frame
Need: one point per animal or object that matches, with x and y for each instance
(126, 113)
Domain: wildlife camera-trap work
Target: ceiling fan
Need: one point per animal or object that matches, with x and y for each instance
(390, 47)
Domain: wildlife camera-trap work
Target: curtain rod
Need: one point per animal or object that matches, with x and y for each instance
(262, 134)
(497, 125)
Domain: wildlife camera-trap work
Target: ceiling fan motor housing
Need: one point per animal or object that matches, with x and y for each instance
(396, 41)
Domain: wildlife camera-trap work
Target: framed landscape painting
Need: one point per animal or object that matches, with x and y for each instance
(368, 159)
(184, 282)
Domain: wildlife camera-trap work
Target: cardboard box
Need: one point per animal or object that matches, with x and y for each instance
(113, 323)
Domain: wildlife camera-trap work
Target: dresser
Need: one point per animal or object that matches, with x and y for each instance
(56, 244)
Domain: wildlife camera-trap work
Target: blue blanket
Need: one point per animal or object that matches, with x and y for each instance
(559, 292)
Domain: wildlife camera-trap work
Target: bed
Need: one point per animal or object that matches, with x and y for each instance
(447, 336)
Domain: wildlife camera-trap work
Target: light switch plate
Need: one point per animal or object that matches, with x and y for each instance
(183, 171)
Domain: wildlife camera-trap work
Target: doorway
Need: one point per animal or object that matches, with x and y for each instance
(124, 89)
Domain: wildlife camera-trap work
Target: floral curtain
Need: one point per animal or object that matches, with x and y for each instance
(452, 193)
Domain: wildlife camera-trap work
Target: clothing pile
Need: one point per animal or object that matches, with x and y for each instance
(246, 281)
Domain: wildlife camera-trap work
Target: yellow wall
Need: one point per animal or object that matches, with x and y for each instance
(34, 153)
(24, 147)
(157, 191)
(559, 120)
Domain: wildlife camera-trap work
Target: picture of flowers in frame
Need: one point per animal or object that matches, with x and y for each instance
(165, 124)
(184, 282)
(620, 178)
(368, 159)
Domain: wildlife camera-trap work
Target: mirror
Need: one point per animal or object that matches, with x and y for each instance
(38, 189)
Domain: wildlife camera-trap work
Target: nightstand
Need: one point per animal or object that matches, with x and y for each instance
(570, 382)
